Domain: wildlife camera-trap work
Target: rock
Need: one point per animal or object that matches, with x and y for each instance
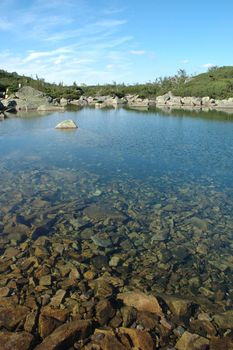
(178, 306)
(15, 341)
(65, 335)
(114, 261)
(224, 320)
(30, 323)
(105, 340)
(129, 315)
(189, 341)
(141, 301)
(4, 292)
(46, 325)
(45, 280)
(140, 339)
(49, 108)
(221, 343)
(63, 102)
(57, 314)
(58, 298)
(11, 316)
(28, 98)
(104, 311)
(66, 124)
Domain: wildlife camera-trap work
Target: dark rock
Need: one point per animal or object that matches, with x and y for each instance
(15, 341)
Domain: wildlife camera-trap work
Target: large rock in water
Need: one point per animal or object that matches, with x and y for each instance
(66, 124)
(141, 301)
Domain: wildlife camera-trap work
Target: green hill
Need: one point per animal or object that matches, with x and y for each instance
(216, 83)
(12, 81)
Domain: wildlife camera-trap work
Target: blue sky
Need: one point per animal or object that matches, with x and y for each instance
(100, 41)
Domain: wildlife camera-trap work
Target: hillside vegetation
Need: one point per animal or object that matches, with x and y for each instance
(216, 83)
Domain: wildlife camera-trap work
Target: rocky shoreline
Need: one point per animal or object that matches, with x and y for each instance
(29, 99)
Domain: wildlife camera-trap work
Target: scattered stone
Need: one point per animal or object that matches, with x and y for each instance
(104, 311)
(16, 341)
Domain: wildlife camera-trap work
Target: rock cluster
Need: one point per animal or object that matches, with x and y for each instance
(99, 271)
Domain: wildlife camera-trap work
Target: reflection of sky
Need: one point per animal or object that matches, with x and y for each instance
(140, 144)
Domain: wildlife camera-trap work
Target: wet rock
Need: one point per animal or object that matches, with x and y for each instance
(11, 316)
(140, 339)
(15, 341)
(65, 335)
(102, 212)
(114, 261)
(30, 322)
(58, 298)
(57, 314)
(104, 311)
(4, 292)
(46, 280)
(221, 343)
(129, 315)
(147, 320)
(66, 124)
(141, 301)
(46, 325)
(105, 340)
(224, 320)
(179, 307)
(190, 341)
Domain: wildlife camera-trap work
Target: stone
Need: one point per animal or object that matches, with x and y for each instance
(141, 301)
(105, 340)
(4, 292)
(224, 320)
(65, 335)
(140, 339)
(16, 341)
(104, 311)
(58, 298)
(11, 316)
(189, 341)
(45, 280)
(57, 314)
(114, 261)
(30, 322)
(179, 307)
(129, 315)
(66, 124)
(46, 325)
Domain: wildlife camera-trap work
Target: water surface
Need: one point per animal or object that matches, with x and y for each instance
(152, 189)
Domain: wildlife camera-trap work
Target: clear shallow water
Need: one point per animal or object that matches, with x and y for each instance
(153, 189)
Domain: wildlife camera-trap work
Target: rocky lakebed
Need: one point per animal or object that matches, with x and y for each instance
(117, 264)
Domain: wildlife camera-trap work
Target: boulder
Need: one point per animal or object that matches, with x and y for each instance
(189, 341)
(66, 124)
(66, 335)
(141, 301)
(15, 341)
(140, 339)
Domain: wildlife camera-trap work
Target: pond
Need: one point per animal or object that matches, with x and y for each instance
(145, 196)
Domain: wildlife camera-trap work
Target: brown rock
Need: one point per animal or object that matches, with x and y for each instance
(4, 292)
(30, 322)
(15, 341)
(11, 252)
(189, 341)
(140, 339)
(224, 320)
(46, 325)
(46, 280)
(141, 302)
(66, 335)
(57, 314)
(104, 311)
(129, 315)
(58, 298)
(147, 320)
(221, 343)
(179, 307)
(105, 340)
(11, 316)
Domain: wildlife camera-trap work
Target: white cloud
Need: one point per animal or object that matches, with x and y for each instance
(34, 55)
(109, 23)
(184, 61)
(137, 52)
(208, 65)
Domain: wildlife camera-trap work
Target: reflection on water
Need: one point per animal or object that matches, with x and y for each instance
(147, 197)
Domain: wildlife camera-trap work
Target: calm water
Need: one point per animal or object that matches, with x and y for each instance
(153, 189)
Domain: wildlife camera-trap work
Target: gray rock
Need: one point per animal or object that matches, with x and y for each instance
(66, 124)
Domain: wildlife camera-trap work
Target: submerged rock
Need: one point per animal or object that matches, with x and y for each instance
(66, 124)
(15, 341)
(141, 301)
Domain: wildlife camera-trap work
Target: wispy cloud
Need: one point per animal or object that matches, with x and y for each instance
(185, 61)
(4, 25)
(208, 65)
(137, 52)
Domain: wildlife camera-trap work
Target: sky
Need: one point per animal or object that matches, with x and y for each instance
(101, 41)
